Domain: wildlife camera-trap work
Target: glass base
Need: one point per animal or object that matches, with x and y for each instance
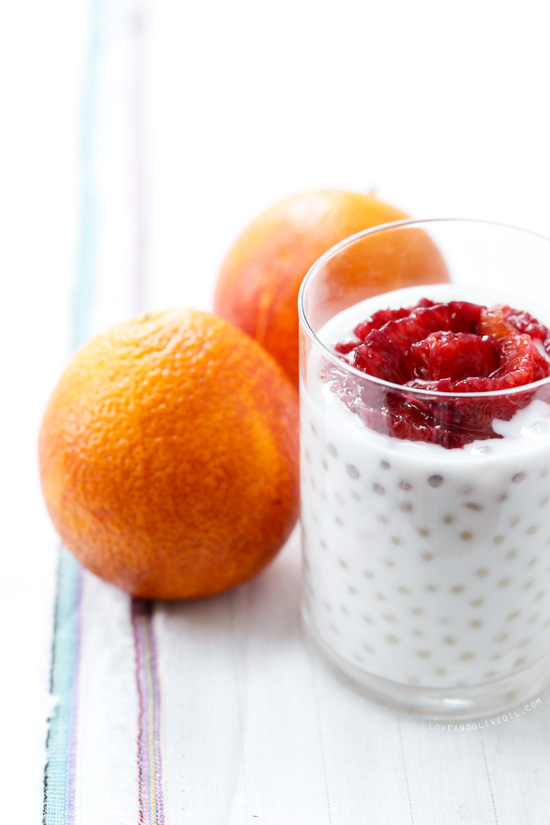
(439, 704)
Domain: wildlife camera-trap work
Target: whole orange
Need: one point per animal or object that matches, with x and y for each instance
(169, 456)
(259, 281)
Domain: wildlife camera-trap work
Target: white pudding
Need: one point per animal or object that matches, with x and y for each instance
(424, 565)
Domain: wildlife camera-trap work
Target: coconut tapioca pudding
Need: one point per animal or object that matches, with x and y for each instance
(426, 497)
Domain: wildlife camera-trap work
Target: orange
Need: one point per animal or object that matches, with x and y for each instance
(259, 281)
(169, 456)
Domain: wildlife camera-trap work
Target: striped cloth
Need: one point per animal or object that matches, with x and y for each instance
(217, 712)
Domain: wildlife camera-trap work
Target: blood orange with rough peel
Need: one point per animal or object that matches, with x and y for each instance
(259, 281)
(169, 456)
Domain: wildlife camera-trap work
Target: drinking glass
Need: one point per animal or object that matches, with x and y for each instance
(426, 563)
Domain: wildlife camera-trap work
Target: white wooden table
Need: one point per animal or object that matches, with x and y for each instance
(138, 139)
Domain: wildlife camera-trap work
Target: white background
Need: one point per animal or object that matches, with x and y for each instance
(441, 108)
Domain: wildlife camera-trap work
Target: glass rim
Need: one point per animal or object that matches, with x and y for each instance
(339, 362)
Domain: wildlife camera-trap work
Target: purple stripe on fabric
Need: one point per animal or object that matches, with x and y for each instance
(149, 757)
(151, 799)
(138, 161)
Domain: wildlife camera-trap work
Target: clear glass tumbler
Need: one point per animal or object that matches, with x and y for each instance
(426, 562)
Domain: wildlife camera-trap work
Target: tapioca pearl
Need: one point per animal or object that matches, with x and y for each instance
(532, 530)
(511, 554)
(427, 556)
(481, 572)
(392, 640)
(457, 588)
(503, 582)
(449, 640)
(405, 506)
(448, 519)
(520, 661)
(512, 616)
(353, 472)
(476, 602)
(355, 495)
(424, 532)
(519, 477)
(465, 657)
(404, 485)
(332, 451)
(466, 535)
(423, 654)
(378, 489)
(474, 506)
(498, 539)
(385, 465)
(352, 590)
(435, 481)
